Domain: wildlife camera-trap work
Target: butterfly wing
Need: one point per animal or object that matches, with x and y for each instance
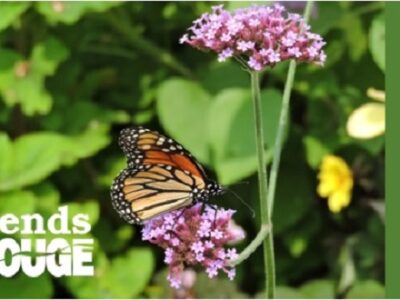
(161, 176)
(145, 147)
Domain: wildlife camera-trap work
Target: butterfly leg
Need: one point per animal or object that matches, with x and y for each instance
(215, 214)
(172, 230)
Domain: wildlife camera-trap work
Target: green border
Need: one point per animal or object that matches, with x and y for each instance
(392, 250)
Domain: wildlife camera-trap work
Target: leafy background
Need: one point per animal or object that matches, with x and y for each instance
(72, 75)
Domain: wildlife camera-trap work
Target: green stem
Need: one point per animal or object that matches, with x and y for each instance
(255, 243)
(267, 195)
(282, 125)
(268, 243)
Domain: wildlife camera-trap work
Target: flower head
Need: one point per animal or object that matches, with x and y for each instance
(252, 32)
(199, 239)
(335, 182)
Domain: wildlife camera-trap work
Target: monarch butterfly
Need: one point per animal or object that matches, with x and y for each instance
(161, 176)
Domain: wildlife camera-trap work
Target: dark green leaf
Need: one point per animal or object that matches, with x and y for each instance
(355, 35)
(232, 133)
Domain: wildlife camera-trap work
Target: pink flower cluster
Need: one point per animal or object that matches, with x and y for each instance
(192, 236)
(259, 36)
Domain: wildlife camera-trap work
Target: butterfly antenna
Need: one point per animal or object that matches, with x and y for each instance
(253, 214)
(242, 182)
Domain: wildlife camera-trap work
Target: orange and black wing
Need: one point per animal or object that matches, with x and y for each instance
(142, 193)
(161, 176)
(145, 147)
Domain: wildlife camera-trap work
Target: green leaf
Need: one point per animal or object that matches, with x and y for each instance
(24, 287)
(29, 159)
(130, 274)
(47, 198)
(89, 142)
(231, 131)
(296, 199)
(329, 15)
(283, 292)
(74, 116)
(111, 240)
(232, 170)
(125, 276)
(315, 151)
(334, 53)
(17, 202)
(70, 12)
(318, 289)
(355, 36)
(90, 208)
(10, 12)
(47, 55)
(298, 239)
(23, 81)
(377, 41)
(7, 64)
(368, 289)
(233, 5)
(33, 157)
(217, 288)
(91, 287)
(295, 190)
(183, 108)
(113, 168)
(30, 92)
(220, 76)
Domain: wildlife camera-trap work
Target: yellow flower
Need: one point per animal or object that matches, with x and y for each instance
(335, 182)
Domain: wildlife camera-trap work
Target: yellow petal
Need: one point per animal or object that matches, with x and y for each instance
(325, 188)
(367, 121)
(377, 95)
(338, 200)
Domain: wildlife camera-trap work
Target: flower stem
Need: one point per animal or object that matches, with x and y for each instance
(273, 175)
(268, 243)
(257, 241)
(267, 195)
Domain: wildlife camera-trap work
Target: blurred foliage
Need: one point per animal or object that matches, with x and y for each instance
(73, 74)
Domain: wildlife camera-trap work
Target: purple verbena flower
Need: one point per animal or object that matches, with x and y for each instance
(187, 243)
(226, 53)
(295, 51)
(244, 46)
(254, 64)
(250, 32)
(197, 247)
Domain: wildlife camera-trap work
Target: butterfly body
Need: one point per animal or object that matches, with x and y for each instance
(161, 176)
